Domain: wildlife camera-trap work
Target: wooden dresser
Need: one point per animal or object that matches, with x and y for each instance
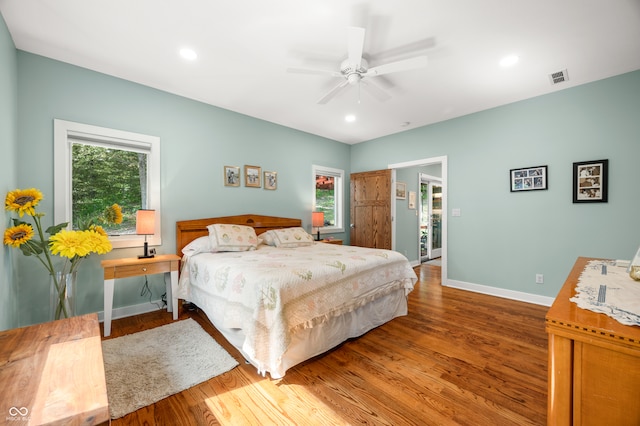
(594, 364)
(53, 373)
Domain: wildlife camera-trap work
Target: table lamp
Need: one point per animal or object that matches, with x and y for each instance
(317, 220)
(145, 225)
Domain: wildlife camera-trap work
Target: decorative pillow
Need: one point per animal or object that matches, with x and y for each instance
(223, 237)
(288, 237)
(199, 245)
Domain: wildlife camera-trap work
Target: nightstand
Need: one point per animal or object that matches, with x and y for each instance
(133, 267)
(333, 241)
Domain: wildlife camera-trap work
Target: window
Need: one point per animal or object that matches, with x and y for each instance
(328, 197)
(96, 167)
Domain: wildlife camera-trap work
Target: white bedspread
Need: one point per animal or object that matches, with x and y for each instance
(270, 293)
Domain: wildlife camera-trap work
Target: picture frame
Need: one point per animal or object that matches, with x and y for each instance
(590, 181)
(270, 180)
(528, 179)
(412, 200)
(231, 176)
(252, 176)
(401, 190)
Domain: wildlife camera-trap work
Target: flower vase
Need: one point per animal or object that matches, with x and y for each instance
(63, 295)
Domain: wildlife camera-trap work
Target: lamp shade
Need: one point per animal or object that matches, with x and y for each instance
(145, 222)
(317, 219)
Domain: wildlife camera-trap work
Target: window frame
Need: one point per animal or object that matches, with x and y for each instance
(338, 174)
(66, 133)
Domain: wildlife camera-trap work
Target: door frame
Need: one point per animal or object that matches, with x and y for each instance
(428, 180)
(443, 161)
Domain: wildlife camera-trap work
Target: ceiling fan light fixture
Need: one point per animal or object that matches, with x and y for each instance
(354, 78)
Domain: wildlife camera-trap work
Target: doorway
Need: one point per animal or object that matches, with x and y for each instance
(443, 162)
(430, 220)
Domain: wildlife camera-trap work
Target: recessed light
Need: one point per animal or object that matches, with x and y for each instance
(509, 61)
(188, 54)
(350, 118)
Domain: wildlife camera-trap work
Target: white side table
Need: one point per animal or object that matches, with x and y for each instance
(133, 267)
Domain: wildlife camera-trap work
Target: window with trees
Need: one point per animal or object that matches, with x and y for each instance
(97, 167)
(328, 197)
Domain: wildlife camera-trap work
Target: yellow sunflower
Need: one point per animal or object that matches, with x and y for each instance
(70, 244)
(18, 235)
(99, 229)
(98, 242)
(23, 201)
(113, 214)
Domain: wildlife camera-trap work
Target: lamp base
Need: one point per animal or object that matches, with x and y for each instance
(146, 254)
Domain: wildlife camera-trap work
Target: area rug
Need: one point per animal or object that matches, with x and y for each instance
(145, 367)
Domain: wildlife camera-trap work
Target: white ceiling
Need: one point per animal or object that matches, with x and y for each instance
(244, 48)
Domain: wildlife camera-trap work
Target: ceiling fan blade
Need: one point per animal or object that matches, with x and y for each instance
(333, 92)
(404, 65)
(375, 91)
(409, 49)
(355, 45)
(313, 71)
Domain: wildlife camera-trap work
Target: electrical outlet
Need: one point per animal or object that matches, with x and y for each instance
(539, 279)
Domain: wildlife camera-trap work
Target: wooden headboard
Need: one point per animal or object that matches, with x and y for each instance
(189, 230)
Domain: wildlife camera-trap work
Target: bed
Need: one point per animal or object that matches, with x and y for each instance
(287, 298)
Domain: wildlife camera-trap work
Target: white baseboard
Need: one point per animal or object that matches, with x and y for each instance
(129, 311)
(502, 292)
(496, 291)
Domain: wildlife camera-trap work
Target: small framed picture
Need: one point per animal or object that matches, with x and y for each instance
(270, 180)
(590, 181)
(401, 190)
(412, 200)
(528, 179)
(231, 176)
(252, 176)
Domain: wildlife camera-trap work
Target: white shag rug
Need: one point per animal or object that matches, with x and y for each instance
(145, 367)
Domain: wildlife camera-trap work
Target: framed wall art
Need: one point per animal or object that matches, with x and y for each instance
(231, 176)
(252, 176)
(590, 181)
(270, 180)
(401, 190)
(528, 179)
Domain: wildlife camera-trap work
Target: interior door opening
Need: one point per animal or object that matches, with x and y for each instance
(442, 161)
(430, 223)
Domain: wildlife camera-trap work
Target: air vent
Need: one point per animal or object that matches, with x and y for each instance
(559, 77)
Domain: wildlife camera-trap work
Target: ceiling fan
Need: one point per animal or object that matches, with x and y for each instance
(355, 69)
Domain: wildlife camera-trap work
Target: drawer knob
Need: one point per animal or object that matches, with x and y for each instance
(144, 269)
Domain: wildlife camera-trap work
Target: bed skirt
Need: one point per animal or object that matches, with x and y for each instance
(309, 342)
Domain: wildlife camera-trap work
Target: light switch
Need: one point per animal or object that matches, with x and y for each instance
(455, 212)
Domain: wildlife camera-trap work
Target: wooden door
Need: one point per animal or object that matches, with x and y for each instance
(371, 209)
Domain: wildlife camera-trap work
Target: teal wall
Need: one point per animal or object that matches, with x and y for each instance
(503, 239)
(197, 140)
(8, 170)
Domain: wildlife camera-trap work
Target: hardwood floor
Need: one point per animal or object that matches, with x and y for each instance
(457, 358)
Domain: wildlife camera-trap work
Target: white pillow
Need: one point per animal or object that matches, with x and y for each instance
(287, 237)
(224, 237)
(199, 245)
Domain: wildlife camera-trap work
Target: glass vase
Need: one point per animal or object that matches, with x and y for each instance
(62, 295)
